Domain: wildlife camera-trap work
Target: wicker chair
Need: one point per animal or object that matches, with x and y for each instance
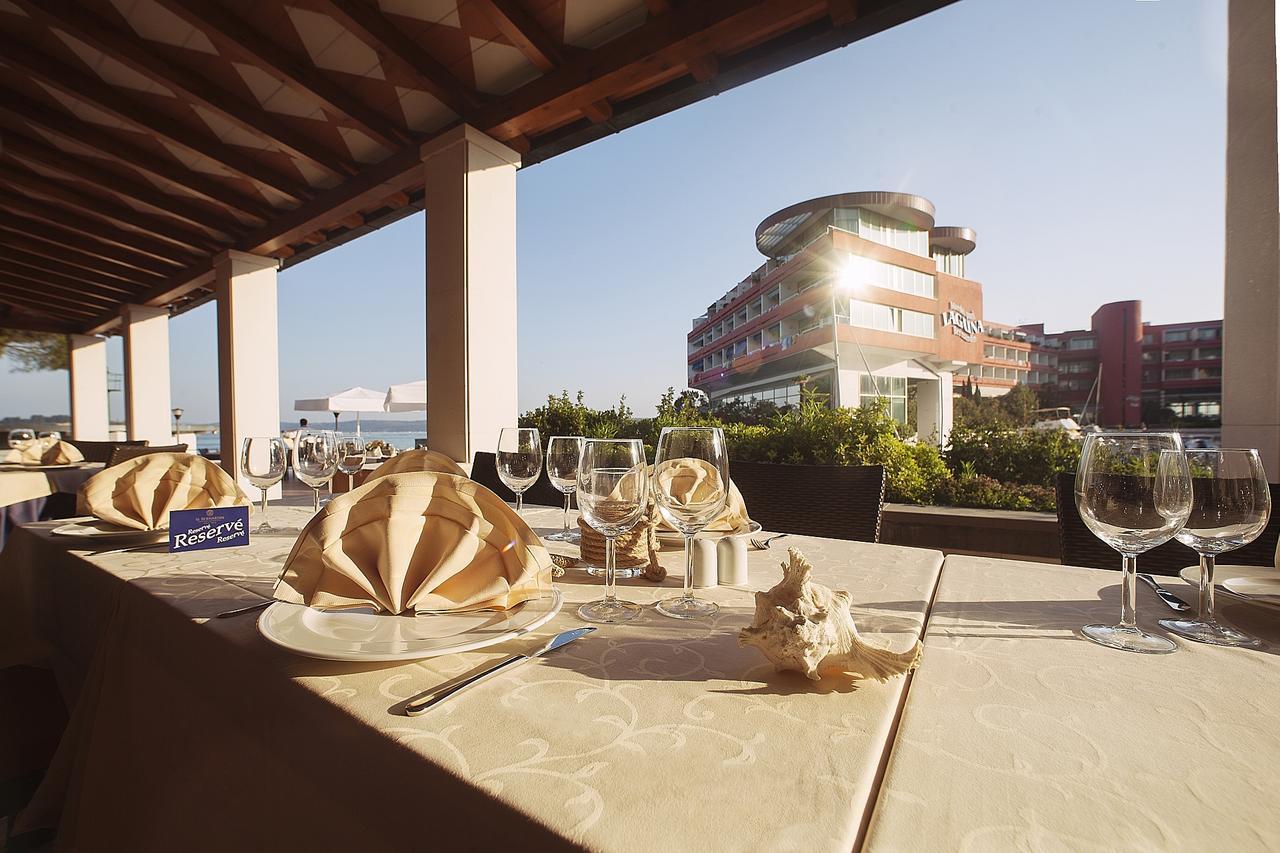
(124, 454)
(836, 501)
(100, 451)
(484, 470)
(1081, 548)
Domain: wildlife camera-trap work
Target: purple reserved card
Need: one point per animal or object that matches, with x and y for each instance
(198, 529)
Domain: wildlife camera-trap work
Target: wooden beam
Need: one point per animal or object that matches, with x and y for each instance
(37, 237)
(175, 287)
(33, 323)
(21, 257)
(24, 111)
(24, 180)
(17, 292)
(139, 55)
(703, 68)
(78, 167)
(101, 232)
(658, 7)
(234, 36)
(599, 111)
(51, 283)
(524, 32)
(842, 12)
(369, 25)
(110, 99)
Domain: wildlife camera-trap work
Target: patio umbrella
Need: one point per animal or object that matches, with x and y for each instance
(355, 399)
(407, 397)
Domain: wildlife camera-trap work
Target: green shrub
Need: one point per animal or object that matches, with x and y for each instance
(1024, 456)
(562, 416)
(982, 492)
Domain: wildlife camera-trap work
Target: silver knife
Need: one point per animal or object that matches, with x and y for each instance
(1167, 597)
(428, 699)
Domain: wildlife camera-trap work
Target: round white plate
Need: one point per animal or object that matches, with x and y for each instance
(363, 636)
(1266, 590)
(671, 537)
(17, 466)
(98, 530)
(1233, 579)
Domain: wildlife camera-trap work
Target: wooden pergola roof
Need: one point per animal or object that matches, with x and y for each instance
(138, 138)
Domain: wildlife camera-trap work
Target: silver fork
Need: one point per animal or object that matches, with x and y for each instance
(763, 544)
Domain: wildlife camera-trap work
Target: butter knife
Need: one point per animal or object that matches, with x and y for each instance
(1167, 597)
(428, 699)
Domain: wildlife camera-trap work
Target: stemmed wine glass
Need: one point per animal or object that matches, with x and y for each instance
(316, 460)
(690, 486)
(563, 453)
(350, 455)
(1230, 505)
(1133, 490)
(519, 460)
(19, 438)
(613, 493)
(263, 460)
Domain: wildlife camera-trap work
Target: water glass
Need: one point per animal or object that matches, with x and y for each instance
(690, 486)
(613, 494)
(351, 455)
(19, 438)
(316, 460)
(1230, 505)
(519, 460)
(1133, 490)
(263, 460)
(563, 453)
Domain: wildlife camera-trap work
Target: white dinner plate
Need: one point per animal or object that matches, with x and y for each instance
(671, 537)
(16, 466)
(1266, 590)
(1234, 578)
(363, 636)
(97, 530)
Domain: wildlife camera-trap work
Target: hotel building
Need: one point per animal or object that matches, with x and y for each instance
(863, 296)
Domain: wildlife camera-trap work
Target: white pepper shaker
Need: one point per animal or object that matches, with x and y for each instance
(731, 561)
(704, 563)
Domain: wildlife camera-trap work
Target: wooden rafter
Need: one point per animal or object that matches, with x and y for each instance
(131, 241)
(20, 257)
(34, 322)
(23, 180)
(30, 150)
(110, 100)
(136, 53)
(234, 36)
(523, 31)
(25, 111)
(39, 236)
(364, 19)
(179, 284)
(44, 282)
(16, 291)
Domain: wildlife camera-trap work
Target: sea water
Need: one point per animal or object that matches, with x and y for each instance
(400, 440)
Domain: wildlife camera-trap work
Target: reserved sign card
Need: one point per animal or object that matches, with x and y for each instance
(198, 529)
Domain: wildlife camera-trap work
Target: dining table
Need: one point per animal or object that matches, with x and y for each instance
(25, 490)
(193, 732)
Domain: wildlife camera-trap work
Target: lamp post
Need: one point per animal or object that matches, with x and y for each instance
(177, 417)
(842, 284)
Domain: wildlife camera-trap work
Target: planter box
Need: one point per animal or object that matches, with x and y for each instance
(960, 530)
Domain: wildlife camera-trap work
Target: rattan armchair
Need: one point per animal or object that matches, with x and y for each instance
(484, 470)
(836, 501)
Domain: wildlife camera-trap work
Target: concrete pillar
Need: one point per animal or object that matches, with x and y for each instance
(248, 355)
(848, 387)
(471, 291)
(87, 368)
(1251, 347)
(934, 407)
(147, 403)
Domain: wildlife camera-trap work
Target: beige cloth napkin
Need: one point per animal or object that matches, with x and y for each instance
(416, 540)
(693, 480)
(44, 451)
(417, 460)
(61, 453)
(141, 492)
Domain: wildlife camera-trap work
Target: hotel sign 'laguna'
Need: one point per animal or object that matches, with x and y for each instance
(963, 323)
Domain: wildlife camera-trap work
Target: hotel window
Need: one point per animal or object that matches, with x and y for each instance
(989, 351)
(1148, 338)
(773, 299)
(1020, 356)
(1210, 352)
(1083, 343)
(891, 277)
(1079, 367)
(1150, 355)
(1210, 334)
(869, 315)
(773, 334)
(1209, 373)
(755, 342)
(1177, 373)
(1177, 355)
(950, 263)
(889, 232)
(1177, 336)
(892, 388)
(1150, 376)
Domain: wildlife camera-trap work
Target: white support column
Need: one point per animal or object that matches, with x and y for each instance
(147, 401)
(471, 291)
(848, 388)
(248, 355)
(934, 407)
(1251, 347)
(87, 369)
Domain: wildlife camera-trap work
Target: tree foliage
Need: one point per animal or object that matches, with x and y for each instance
(32, 351)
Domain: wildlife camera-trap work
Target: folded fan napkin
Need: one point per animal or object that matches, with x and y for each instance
(417, 540)
(691, 481)
(417, 460)
(43, 451)
(61, 453)
(141, 492)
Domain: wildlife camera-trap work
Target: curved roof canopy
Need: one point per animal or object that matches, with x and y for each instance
(773, 235)
(955, 239)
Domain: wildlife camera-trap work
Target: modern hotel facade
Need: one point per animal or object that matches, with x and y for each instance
(907, 322)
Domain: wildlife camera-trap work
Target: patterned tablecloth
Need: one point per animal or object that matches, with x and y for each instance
(1020, 735)
(18, 484)
(195, 733)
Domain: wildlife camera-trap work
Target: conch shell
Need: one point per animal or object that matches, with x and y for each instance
(807, 627)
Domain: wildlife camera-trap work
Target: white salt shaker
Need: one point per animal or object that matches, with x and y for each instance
(731, 561)
(704, 563)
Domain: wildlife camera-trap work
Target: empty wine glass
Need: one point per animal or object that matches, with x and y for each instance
(563, 453)
(690, 486)
(613, 493)
(19, 438)
(351, 455)
(519, 460)
(263, 460)
(1133, 490)
(316, 460)
(1230, 505)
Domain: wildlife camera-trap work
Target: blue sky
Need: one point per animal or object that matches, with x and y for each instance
(1082, 139)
